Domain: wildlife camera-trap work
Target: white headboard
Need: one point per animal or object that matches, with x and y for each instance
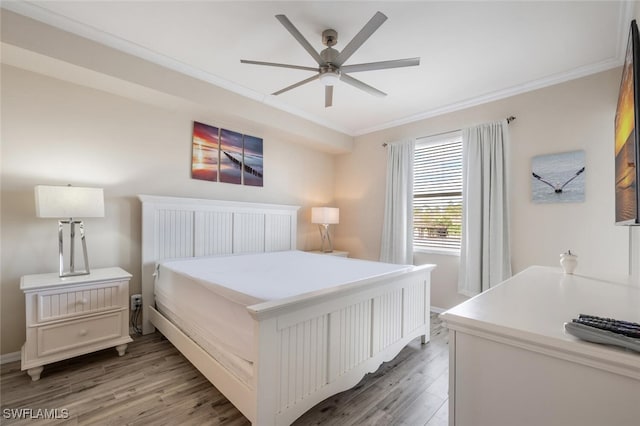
(174, 227)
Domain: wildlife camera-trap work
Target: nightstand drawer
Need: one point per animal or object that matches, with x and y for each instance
(64, 303)
(69, 335)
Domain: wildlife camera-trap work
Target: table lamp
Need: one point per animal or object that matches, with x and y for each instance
(69, 202)
(325, 216)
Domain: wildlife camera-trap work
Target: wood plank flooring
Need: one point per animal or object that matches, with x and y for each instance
(153, 384)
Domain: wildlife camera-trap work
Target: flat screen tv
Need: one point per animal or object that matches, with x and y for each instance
(627, 143)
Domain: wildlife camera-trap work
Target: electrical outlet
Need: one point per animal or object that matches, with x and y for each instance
(136, 301)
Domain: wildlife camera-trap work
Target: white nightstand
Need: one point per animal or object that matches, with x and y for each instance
(332, 253)
(73, 316)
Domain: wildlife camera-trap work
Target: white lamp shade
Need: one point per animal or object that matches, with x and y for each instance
(69, 201)
(325, 215)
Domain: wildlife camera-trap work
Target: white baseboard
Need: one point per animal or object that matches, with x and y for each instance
(6, 358)
(437, 310)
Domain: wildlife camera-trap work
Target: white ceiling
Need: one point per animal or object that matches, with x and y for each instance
(471, 52)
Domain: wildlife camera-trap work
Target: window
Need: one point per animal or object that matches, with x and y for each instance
(437, 193)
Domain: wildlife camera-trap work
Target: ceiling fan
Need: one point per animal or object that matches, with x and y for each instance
(331, 68)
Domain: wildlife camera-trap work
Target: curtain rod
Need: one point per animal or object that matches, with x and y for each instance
(509, 120)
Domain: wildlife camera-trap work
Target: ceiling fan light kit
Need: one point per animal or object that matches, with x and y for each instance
(329, 77)
(330, 69)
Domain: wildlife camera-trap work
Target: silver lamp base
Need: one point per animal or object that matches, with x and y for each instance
(72, 229)
(326, 237)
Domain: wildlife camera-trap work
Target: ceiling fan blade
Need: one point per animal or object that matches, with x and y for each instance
(397, 63)
(274, 64)
(300, 38)
(300, 83)
(362, 86)
(357, 41)
(328, 96)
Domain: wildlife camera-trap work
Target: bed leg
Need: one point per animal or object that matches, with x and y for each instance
(423, 339)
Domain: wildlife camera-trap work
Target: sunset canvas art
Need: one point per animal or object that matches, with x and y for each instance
(230, 156)
(221, 155)
(205, 152)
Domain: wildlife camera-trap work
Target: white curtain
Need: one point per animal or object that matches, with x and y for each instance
(397, 229)
(485, 256)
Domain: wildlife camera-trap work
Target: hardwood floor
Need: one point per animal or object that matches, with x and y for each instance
(153, 384)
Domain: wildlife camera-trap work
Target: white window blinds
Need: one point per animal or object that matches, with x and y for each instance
(437, 192)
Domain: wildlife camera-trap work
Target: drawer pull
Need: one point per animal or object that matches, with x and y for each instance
(82, 332)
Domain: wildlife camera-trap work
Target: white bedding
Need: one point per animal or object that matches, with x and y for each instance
(212, 293)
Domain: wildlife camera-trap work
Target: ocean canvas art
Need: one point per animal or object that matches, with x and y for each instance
(252, 161)
(558, 178)
(204, 152)
(230, 156)
(221, 155)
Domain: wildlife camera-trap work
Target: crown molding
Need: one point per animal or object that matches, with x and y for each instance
(86, 31)
(83, 30)
(624, 19)
(497, 95)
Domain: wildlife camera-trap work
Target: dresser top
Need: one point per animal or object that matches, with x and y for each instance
(50, 280)
(533, 306)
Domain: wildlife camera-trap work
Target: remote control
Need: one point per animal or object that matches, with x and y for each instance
(599, 335)
(627, 328)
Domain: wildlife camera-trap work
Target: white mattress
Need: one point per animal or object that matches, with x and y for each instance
(241, 368)
(211, 294)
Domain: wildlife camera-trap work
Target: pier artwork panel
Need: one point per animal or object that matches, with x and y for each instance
(221, 155)
(253, 161)
(230, 156)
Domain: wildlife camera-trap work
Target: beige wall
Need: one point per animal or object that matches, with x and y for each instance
(58, 132)
(55, 132)
(32, 45)
(577, 115)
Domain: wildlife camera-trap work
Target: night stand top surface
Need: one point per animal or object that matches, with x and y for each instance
(49, 280)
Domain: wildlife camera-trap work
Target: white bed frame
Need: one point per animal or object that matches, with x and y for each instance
(308, 347)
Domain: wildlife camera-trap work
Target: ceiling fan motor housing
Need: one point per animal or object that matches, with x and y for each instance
(329, 37)
(329, 55)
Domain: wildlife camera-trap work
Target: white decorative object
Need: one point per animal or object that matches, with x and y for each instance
(507, 348)
(72, 316)
(568, 261)
(325, 216)
(375, 318)
(69, 202)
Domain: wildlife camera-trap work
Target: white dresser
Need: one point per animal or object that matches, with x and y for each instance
(71, 316)
(511, 362)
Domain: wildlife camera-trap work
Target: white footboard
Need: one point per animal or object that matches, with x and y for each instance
(312, 349)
